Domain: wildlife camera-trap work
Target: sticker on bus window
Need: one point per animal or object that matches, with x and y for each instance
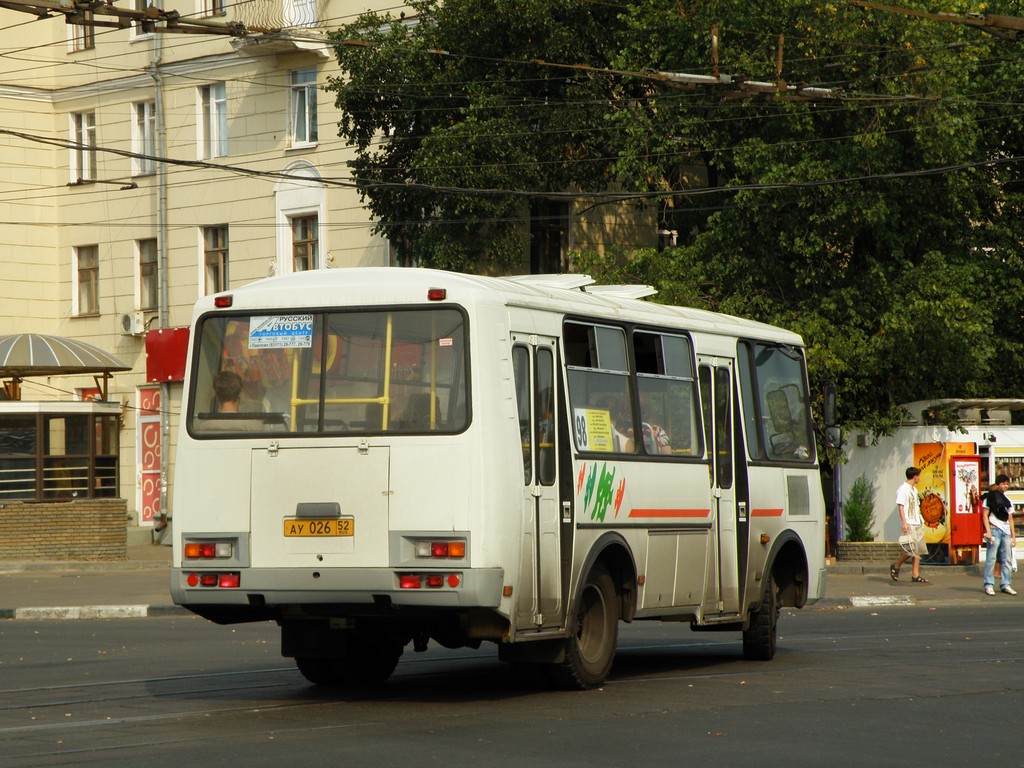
(593, 429)
(281, 332)
(444, 342)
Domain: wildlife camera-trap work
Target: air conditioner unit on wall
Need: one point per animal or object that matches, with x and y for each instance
(132, 323)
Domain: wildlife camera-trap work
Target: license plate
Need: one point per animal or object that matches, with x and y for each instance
(332, 526)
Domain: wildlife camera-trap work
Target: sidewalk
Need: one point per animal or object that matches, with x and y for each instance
(139, 587)
(868, 584)
(132, 588)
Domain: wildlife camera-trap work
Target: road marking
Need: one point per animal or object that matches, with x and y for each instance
(84, 612)
(872, 600)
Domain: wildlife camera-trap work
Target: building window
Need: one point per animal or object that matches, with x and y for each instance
(87, 278)
(149, 283)
(213, 121)
(214, 8)
(303, 108)
(82, 37)
(549, 237)
(300, 13)
(58, 455)
(304, 243)
(144, 28)
(144, 138)
(83, 150)
(215, 258)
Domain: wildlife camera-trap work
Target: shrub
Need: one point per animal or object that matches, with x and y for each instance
(859, 511)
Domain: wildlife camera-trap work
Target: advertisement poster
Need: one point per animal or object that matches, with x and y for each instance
(933, 461)
(1010, 462)
(965, 486)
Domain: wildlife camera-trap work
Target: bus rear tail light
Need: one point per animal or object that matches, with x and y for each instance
(439, 549)
(456, 549)
(409, 580)
(208, 550)
(227, 580)
(429, 580)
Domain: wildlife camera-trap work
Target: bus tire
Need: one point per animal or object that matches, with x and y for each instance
(364, 665)
(317, 671)
(590, 647)
(761, 637)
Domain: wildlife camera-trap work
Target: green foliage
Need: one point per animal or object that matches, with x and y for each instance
(859, 511)
(884, 226)
(452, 147)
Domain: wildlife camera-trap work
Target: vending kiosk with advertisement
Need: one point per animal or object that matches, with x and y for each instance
(956, 466)
(965, 524)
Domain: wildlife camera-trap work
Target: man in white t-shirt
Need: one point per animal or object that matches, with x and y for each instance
(912, 525)
(1000, 536)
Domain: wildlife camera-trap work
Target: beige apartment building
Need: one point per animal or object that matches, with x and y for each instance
(141, 170)
(104, 243)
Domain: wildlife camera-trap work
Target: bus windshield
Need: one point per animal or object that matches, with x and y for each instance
(336, 373)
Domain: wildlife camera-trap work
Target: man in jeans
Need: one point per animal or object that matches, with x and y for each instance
(1000, 536)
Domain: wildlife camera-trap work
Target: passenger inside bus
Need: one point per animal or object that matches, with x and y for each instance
(656, 439)
(227, 415)
(227, 387)
(418, 416)
(785, 436)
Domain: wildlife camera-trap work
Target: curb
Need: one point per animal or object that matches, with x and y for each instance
(79, 566)
(861, 601)
(865, 569)
(65, 613)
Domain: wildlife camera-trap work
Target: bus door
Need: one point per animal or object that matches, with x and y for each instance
(715, 375)
(540, 603)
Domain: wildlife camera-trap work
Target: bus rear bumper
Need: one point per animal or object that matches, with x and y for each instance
(381, 587)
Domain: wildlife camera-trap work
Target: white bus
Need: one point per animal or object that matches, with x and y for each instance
(419, 455)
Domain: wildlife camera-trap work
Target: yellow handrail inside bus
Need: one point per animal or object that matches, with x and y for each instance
(387, 374)
(433, 371)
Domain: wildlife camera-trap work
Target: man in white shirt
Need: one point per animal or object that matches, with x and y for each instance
(912, 525)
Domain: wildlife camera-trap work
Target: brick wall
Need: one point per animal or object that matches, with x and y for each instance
(84, 529)
(868, 551)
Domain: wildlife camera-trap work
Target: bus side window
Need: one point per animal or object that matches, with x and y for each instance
(598, 373)
(545, 416)
(667, 389)
(521, 372)
(774, 395)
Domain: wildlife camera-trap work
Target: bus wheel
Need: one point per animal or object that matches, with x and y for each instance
(318, 671)
(760, 639)
(590, 649)
(365, 664)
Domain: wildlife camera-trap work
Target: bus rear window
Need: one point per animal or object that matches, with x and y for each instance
(400, 371)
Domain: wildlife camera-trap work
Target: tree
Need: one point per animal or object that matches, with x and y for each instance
(829, 217)
(859, 511)
(884, 226)
(454, 102)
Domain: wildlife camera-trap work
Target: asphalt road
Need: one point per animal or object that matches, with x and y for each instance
(880, 686)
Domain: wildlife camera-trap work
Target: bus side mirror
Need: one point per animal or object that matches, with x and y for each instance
(829, 407)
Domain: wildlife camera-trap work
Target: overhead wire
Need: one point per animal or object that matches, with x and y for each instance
(351, 181)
